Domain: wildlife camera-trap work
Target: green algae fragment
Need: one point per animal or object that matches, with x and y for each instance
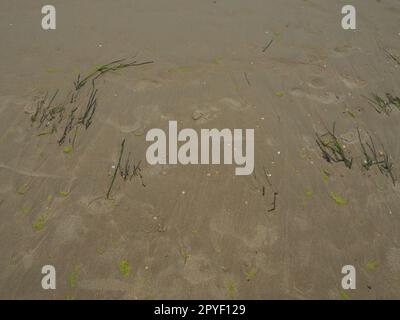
(338, 199)
(124, 267)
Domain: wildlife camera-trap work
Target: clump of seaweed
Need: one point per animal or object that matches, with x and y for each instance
(49, 112)
(128, 171)
(52, 116)
(131, 170)
(394, 101)
(384, 104)
(76, 109)
(46, 112)
(85, 119)
(112, 66)
(374, 158)
(69, 125)
(91, 105)
(39, 105)
(333, 150)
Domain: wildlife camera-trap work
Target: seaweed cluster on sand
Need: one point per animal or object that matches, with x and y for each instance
(127, 169)
(65, 116)
(112, 66)
(334, 150)
(385, 104)
(372, 157)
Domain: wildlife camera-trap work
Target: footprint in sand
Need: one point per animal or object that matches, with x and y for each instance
(210, 111)
(145, 85)
(393, 260)
(318, 83)
(135, 86)
(325, 98)
(70, 229)
(198, 270)
(233, 104)
(353, 83)
(143, 115)
(351, 136)
(16, 135)
(205, 114)
(14, 102)
(133, 128)
(343, 50)
(262, 237)
(27, 260)
(98, 205)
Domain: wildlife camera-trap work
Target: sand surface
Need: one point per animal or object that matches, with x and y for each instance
(199, 231)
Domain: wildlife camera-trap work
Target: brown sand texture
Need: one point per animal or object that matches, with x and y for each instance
(283, 67)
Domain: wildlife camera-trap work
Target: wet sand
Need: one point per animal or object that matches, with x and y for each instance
(200, 232)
